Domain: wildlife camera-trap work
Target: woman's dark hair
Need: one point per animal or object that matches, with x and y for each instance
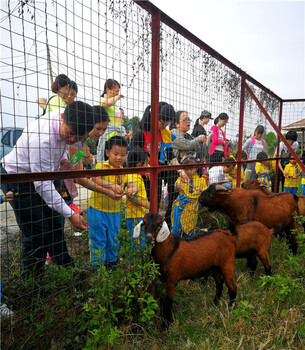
(110, 84)
(166, 113)
(262, 155)
(79, 117)
(60, 81)
(73, 86)
(259, 129)
(100, 114)
(176, 120)
(222, 116)
(137, 155)
(291, 135)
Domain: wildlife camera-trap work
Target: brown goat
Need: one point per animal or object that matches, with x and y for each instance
(252, 238)
(243, 205)
(190, 258)
(256, 185)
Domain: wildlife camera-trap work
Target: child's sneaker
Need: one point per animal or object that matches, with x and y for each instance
(6, 312)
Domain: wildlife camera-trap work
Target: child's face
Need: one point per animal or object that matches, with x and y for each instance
(293, 162)
(191, 172)
(265, 163)
(117, 155)
(227, 168)
(229, 151)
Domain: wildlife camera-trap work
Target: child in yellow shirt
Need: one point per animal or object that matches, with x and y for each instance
(230, 171)
(104, 211)
(262, 170)
(185, 207)
(291, 183)
(137, 206)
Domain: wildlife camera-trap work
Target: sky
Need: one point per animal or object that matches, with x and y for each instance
(264, 38)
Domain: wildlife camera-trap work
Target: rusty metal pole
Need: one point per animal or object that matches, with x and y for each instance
(154, 128)
(278, 149)
(241, 128)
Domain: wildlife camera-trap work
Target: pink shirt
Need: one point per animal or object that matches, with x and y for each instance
(40, 148)
(216, 141)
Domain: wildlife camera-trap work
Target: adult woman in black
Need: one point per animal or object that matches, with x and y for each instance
(199, 129)
(142, 139)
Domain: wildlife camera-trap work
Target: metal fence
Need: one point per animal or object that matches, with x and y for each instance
(154, 59)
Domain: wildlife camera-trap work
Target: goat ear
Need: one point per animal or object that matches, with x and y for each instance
(137, 230)
(163, 233)
(220, 187)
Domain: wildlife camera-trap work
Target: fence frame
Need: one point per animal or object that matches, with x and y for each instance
(157, 16)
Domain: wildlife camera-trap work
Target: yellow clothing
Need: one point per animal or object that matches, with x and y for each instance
(234, 172)
(264, 178)
(199, 185)
(292, 170)
(101, 201)
(188, 202)
(113, 111)
(56, 102)
(303, 181)
(133, 210)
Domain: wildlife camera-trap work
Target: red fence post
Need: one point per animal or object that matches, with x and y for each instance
(241, 128)
(278, 149)
(155, 61)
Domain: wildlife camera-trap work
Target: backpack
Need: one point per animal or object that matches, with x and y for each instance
(249, 150)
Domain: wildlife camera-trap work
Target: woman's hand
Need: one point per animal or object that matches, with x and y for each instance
(201, 138)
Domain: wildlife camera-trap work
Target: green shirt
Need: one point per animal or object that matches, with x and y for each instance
(55, 102)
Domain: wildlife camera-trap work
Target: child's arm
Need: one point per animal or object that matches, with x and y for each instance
(139, 202)
(7, 197)
(178, 186)
(108, 185)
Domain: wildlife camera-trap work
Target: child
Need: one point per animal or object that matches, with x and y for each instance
(135, 206)
(230, 171)
(230, 151)
(262, 170)
(185, 207)
(104, 212)
(293, 171)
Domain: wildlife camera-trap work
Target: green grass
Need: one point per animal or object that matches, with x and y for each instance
(82, 309)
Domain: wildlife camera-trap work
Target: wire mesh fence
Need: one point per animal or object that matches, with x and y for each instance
(58, 59)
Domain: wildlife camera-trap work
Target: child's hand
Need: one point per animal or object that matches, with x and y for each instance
(117, 189)
(201, 138)
(8, 197)
(131, 191)
(183, 176)
(147, 205)
(285, 174)
(114, 195)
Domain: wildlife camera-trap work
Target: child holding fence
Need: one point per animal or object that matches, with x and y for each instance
(293, 171)
(262, 170)
(136, 206)
(104, 212)
(185, 207)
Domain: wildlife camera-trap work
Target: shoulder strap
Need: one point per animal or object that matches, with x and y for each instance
(48, 102)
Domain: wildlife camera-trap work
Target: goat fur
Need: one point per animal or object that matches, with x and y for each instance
(243, 205)
(190, 258)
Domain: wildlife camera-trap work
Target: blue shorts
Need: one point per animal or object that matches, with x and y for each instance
(103, 236)
(292, 190)
(131, 223)
(303, 190)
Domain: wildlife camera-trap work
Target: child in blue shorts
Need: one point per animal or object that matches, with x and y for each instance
(293, 171)
(104, 212)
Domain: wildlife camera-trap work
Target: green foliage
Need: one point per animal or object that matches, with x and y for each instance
(271, 142)
(243, 310)
(134, 121)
